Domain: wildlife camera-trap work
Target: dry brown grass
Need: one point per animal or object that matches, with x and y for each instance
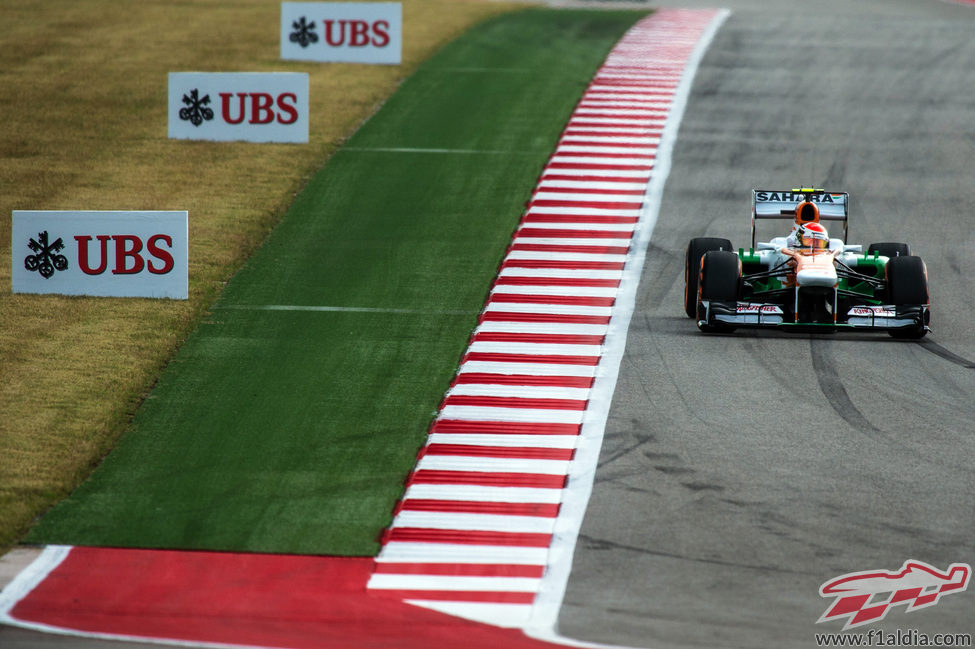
(83, 88)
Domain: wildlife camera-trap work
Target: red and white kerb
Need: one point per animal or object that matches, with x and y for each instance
(484, 507)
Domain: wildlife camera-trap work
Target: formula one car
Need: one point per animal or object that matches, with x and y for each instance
(806, 281)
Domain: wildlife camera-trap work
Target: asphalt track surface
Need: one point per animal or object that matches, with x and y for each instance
(739, 473)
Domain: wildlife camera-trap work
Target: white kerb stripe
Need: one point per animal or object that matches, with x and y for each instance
(580, 241)
(567, 273)
(594, 185)
(523, 391)
(449, 582)
(624, 229)
(537, 255)
(534, 369)
(535, 348)
(529, 441)
(478, 493)
(587, 197)
(582, 211)
(472, 522)
(614, 173)
(551, 309)
(582, 149)
(542, 328)
(523, 415)
(400, 552)
(579, 121)
(581, 159)
(492, 464)
(556, 289)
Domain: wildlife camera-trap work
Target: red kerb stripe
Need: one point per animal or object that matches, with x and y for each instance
(563, 264)
(633, 132)
(599, 205)
(558, 359)
(565, 318)
(520, 452)
(594, 178)
(466, 537)
(558, 233)
(515, 280)
(575, 300)
(591, 250)
(463, 426)
(550, 339)
(624, 145)
(523, 379)
(535, 217)
(488, 479)
(514, 402)
(601, 166)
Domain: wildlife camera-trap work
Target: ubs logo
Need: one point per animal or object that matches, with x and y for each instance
(354, 33)
(197, 108)
(45, 259)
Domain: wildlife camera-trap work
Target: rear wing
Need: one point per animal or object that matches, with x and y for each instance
(781, 204)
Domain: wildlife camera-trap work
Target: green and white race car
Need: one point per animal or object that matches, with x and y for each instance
(806, 281)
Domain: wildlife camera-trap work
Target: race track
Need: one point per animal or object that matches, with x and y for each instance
(738, 473)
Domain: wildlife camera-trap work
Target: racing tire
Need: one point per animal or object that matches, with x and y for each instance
(720, 281)
(696, 249)
(907, 285)
(889, 249)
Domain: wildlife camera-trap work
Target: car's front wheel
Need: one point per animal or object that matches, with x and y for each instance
(696, 249)
(907, 286)
(720, 281)
(889, 249)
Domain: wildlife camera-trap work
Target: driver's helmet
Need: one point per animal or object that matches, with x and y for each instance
(813, 236)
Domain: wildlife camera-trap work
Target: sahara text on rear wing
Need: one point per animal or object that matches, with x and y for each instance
(781, 204)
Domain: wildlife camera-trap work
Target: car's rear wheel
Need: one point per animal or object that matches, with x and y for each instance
(720, 281)
(907, 285)
(696, 249)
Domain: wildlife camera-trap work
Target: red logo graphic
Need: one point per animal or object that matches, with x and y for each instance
(865, 597)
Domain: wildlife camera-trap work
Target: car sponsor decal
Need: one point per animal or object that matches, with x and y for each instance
(872, 311)
(747, 308)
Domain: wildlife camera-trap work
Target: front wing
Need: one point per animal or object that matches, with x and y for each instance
(767, 315)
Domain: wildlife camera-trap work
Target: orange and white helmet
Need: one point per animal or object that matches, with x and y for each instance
(813, 236)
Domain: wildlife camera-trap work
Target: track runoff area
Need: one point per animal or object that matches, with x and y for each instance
(486, 528)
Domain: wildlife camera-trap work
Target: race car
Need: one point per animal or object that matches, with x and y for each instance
(806, 281)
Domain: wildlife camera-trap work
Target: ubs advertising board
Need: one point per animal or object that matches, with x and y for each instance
(342, 32)
(247, 106)
(101, 253)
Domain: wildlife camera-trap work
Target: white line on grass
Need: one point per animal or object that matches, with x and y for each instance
(339, 309)
(383, 149)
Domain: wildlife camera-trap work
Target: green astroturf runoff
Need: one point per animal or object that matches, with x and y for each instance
(290, 418)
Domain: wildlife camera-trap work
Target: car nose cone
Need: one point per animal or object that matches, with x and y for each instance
(816, 277)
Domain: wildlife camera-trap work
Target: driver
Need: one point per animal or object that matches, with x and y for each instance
(807, 213)
(813, 237)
